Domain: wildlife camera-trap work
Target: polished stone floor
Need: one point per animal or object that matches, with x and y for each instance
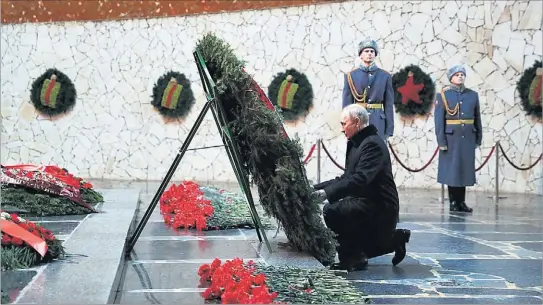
(491, 256)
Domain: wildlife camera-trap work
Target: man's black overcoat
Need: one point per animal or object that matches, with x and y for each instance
(368, 178)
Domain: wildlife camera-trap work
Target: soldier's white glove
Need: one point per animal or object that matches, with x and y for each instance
(320, 195)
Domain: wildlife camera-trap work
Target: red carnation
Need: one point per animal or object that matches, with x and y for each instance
(17, 241)
(6, 240)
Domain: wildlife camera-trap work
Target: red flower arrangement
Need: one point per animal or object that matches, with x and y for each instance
(31, 227)
(64, 175)
(184, 206)
(58, 173)
(235, 283)
(24, 250)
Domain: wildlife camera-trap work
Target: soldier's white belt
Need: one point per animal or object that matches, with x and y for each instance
(371, 106)
(458, 122)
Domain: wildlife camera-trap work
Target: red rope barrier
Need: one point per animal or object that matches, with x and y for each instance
(410, 169)
(486, 160)
(425, 165)
(311, 150)
(330, 156)
(516, 166)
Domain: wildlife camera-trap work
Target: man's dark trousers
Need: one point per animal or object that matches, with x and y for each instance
(360, 231)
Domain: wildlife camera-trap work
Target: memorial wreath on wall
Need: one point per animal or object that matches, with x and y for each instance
(53, 93)
(529, 87)
(172, 95)
(414, 91)
(292, 93)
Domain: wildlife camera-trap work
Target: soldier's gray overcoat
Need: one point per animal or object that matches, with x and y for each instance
(457, 163)
(380, 91)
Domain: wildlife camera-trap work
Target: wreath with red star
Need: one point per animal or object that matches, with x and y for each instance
(529, 87)
(414, 91)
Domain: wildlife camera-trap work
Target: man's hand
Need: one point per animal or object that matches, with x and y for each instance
(324, 203)
(320, 194)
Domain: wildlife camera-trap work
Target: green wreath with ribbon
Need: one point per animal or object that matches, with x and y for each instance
(414, 91)
(292, 92)
(53, 93)
(172, 95)
(529, 87)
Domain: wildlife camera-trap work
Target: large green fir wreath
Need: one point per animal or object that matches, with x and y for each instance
(53, 93)
(529, 87)
(414, 91)
(271, 159)
(292, 93)
(172, 95)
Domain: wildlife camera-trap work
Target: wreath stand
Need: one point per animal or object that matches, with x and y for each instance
(232, 150)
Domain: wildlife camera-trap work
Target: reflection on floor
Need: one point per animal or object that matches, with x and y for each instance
(491, 256)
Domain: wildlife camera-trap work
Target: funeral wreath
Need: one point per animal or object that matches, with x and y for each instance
(292, 93)
(172, 95)
(414, 91)
(47, 190)
(270, 158)
(21, 240)
(529, 87)
(53, 93)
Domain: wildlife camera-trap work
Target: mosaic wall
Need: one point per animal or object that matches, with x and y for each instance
(114, 132)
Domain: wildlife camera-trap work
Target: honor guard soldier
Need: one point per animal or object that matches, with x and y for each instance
(459, 131)
(371, 87)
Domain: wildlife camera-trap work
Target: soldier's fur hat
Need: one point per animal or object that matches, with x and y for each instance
(368, 43)
(455, 69)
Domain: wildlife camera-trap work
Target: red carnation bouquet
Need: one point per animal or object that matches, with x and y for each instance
(234, 282)
(184, 206)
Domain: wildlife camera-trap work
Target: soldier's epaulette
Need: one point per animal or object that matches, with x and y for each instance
(386, 72)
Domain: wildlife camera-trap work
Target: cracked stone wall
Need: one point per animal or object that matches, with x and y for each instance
(114, 133)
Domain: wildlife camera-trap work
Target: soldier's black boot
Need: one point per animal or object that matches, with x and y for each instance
(454, 206)
(450, 190)
(401, 238)
(463, 207)
(453, 199)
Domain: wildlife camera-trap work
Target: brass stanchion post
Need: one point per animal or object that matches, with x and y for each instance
(496, 197)
(319, 144)
(497, 173)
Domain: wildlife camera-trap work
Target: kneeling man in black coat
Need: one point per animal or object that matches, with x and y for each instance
(362, 206)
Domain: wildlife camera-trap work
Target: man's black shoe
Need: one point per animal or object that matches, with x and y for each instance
(360, 265)
(351, 265)
(401, 238)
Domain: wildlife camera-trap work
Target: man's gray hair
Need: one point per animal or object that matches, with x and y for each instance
(357, 111)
